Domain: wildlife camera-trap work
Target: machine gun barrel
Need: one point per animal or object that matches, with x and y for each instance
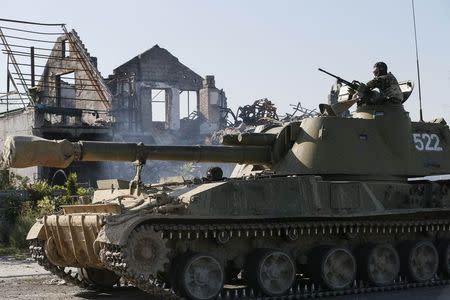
(27, 151)
(350, 84)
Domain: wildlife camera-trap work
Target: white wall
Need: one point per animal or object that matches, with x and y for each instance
(18, 123)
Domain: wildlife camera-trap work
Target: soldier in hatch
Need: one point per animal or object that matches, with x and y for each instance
(386, 83)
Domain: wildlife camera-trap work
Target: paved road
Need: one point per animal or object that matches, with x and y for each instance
(26, 280)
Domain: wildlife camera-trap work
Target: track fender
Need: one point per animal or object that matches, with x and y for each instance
(36, 232)
(117, 231)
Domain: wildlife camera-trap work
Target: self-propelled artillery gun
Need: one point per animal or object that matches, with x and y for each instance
(324, 206)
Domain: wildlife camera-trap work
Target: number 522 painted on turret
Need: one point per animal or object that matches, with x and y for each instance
(427, 142)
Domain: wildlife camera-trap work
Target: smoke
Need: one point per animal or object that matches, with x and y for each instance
(154, 170)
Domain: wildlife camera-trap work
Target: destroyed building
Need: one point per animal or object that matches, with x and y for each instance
(159, 100)
(57, 92)
(71, 95)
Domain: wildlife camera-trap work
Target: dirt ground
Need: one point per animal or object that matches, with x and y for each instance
(25, 279)
(49, 288)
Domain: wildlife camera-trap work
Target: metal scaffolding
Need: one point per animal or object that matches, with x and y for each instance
(28, 47)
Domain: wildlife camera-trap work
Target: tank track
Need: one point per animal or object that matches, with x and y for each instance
(112, 255)
(38, 253)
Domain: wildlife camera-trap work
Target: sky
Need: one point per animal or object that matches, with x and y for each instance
(267, 49)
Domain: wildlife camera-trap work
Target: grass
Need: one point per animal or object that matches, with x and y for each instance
(13, 251)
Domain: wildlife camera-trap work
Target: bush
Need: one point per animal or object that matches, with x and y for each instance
(82, 191)
(71, 184)
(20, 228)
(43, 199)
(45, 206)
(38, 190)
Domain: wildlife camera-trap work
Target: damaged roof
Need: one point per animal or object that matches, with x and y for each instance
(159, 65)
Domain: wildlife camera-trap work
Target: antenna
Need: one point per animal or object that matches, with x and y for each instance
(417, 61)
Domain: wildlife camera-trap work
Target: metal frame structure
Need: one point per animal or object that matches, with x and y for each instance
(17, 36)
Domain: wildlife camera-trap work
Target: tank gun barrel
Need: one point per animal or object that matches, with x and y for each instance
(27, 151)
(250, 139)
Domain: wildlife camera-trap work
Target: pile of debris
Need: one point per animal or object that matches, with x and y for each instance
(261, 113)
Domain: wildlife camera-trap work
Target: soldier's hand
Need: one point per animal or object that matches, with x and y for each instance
(350, 92)
(362, 89)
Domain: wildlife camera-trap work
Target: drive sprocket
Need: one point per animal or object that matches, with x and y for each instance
(146, 253)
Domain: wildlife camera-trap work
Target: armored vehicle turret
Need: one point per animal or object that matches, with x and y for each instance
(324, 206)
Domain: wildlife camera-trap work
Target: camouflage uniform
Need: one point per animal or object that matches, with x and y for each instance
(390, 91)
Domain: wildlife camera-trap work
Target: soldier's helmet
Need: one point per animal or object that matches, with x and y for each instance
(382, 67)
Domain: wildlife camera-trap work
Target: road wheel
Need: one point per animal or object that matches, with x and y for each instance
(420, 260)
(271, 271)
(99, 277)
(199, 276)
(444, 257)
(333, 267)
(380, 264)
